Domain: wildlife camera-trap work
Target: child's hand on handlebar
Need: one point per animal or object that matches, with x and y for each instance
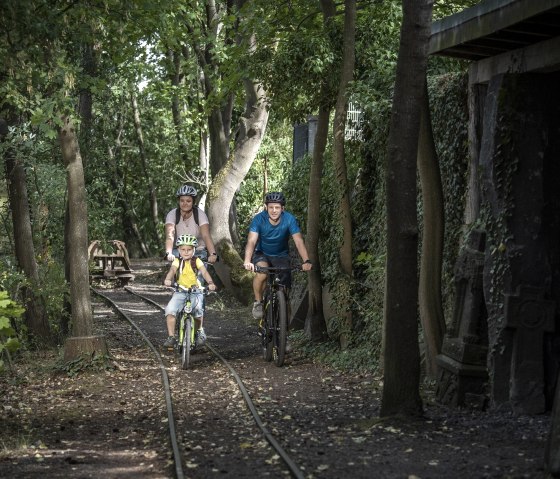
(167, 282)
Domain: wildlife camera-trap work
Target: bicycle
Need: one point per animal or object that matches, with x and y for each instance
(185, 326)
(274, 331)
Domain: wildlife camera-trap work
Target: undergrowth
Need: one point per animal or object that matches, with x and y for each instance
(360, 359)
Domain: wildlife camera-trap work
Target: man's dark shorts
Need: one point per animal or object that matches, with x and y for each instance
(278, 262)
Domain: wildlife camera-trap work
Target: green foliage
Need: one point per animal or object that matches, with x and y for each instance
(275, 155)
(10, 312)
(54, 290)
(361, 358)
(93, 363)
(367, 174)
(443, 8)
(449, 109)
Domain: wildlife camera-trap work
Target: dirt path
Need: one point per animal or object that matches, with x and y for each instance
(113, 424)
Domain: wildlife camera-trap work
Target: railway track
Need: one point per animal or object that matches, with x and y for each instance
(207, 399)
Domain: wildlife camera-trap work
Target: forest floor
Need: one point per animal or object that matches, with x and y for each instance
(112, 423)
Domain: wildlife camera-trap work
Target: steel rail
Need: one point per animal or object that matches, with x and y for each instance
(292, 466)
(165, 379)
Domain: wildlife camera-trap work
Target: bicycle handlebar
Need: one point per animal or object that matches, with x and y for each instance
(204, 290)
(205, 261)
(276, 269)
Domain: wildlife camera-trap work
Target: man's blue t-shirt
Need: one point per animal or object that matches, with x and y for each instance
(274, 239)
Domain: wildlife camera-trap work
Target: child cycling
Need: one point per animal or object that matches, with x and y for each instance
(184, 270)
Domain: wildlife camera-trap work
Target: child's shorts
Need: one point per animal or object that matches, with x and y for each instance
(178, 300)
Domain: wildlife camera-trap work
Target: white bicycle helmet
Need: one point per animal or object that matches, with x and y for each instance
(186, 190)
(187, 240)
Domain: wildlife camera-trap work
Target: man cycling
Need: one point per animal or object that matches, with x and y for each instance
(268, 245)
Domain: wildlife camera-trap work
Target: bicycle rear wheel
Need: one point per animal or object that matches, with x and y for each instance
(280, 334)
(187, 342)
(267, 330)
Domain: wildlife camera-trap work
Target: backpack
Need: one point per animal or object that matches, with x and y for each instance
(178, 218)
(182, 265)
(194, 212)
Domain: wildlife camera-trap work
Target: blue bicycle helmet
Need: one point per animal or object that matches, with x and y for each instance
(275, 197)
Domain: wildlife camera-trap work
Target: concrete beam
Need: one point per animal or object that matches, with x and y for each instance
(483, 19)
(540, 57)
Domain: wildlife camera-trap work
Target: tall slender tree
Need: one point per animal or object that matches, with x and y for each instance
(82, 339)
(401, 352)
(315, 324)
(429, 292)
(35, 315)
(339, 159)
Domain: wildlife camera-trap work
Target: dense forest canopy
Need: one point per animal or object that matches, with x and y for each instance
(164, 92)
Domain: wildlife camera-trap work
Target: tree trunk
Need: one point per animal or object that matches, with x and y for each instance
(251, 130)
(219, 142)
(402, 356)
(85, 108)
(339, 128)
(35, 316)
(315, 325)
(144, 160)
(83, 340)
(175, 77)
(429, 292)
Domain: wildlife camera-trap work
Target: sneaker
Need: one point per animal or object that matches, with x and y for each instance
(170, 342)
(257, 310)
(200, 337)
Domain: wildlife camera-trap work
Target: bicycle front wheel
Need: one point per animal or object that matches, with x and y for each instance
(280, 334)
(187, 342)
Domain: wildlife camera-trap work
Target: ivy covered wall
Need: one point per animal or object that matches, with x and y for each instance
(448, 104)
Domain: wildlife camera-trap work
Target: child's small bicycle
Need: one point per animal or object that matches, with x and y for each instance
(185, 326)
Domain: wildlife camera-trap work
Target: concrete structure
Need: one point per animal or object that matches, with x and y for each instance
(514, 146)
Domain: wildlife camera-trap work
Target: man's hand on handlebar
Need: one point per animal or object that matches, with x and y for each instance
(249, 266)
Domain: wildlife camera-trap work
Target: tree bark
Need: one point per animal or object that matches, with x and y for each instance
(144, 162)
(35, 316)
(251, 130)
(176, 78)
(315, 324)
(401, 355)
(339, 129)
(77, 253)
(429, 292)
(89, 64)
